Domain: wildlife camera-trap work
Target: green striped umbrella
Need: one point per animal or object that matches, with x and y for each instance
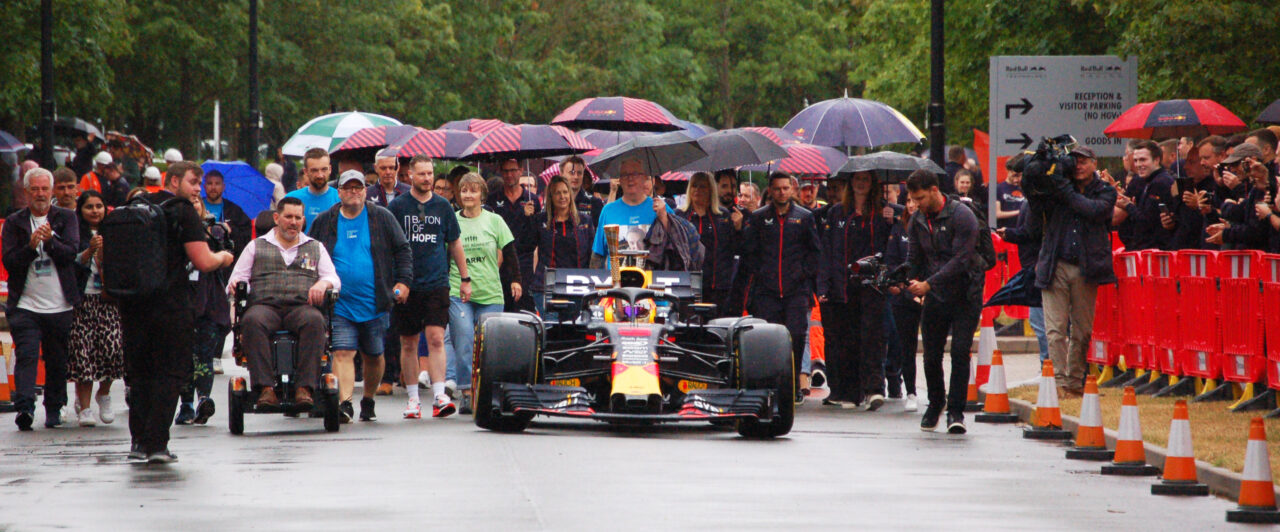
(329, 131)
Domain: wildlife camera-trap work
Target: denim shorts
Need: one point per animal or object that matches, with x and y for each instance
(365, 337)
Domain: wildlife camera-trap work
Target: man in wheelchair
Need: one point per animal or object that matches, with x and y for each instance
(288, 274)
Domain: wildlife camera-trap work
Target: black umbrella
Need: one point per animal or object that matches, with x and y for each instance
(70, 125)
(733, 148)
(659, 153)
(889, 167)
(1020, 291)
(1270, 115)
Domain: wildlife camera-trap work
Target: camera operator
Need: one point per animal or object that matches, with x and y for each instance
(1246, 224)
(1149, 194)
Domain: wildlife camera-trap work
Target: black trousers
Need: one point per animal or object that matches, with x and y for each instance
(791, 312)
(906, 321)
(158, 364)
(37, 335)
(391, 348)
(959, 318)
(210, 337)
(855, 345)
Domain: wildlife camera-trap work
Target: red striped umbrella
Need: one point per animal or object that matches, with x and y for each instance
(527, 141)
(554, 170)
(618, 113)
(372, 139)
(804, 159)
(1175, 118)
(434, 143)
(778, 135)
(676, 176)
(479, 126)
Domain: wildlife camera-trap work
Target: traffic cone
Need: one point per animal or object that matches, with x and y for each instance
(986, 345)
(971, 402)
(6, 400)
(1180, 464)
(1091, 441)
(1257, 493)
(1131, 457)
(1046, 424)
(996, 409)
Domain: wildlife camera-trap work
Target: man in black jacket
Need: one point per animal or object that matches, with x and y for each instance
(359, 234)
(1148, 195)
(945, 271)
(40, 245)
(519, 208)
(225, 210)
(1075, 257)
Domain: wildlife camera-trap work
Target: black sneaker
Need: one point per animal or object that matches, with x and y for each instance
(929, 422)
(955, 424)
(161, 457)
(185, 414)
(366, 410)
(874, 402)
(136, 454)
(347, 411)
(53, 418)
(24, 421)
(895, 390)
(204, 410)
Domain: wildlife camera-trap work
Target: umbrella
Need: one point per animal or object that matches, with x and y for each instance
(527, 141)
(554, 170)
(367, 141)
(676, 176)
(10, 143)
(434, 143)
(846, 122)
(479, 126)
(1019, 291)
(131, 146)
(890, 167)
(733, 148)
(1174, 118)
(330, 130)
(696, 130)
(658, 153)
(69, 125)
(1270, 115)
(245, 186)
(778, 135)
(805, 159)
(618, 113)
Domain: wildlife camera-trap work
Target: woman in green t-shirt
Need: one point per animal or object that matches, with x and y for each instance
(491, 258)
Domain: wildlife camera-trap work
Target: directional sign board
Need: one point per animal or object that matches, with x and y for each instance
(1045, 96)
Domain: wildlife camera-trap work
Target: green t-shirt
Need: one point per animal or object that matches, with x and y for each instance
(482, 240)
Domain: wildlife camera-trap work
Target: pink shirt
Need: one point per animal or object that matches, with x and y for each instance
(244, 266)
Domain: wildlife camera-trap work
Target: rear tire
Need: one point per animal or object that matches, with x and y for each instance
(332, 416)
(235, 410)
(506, 350)
(765, 362)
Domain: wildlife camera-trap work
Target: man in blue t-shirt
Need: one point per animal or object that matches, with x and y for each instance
(318, 196)
(431, 226)
(634, 212)
(374, 263)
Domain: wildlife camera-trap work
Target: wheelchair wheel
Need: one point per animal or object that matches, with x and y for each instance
(235, 407)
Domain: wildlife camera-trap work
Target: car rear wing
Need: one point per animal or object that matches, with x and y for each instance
(575, 283)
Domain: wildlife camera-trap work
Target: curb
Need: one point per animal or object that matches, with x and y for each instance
(1221, 481)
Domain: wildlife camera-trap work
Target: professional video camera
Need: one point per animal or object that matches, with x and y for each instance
(218, 235)
(873, 272)
(1050, 167)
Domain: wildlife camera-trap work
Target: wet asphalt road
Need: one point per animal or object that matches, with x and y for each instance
(837, 470)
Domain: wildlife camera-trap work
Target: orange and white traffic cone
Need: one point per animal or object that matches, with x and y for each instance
(6, 400)
(1131, 456)
(996, 409)
(1046, 423)
(1180, 464)
(1257, 492)
(1091, 441)
(986, 345)
(971, 402)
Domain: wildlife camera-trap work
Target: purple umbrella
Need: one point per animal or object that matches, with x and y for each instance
(846, 122)
(527, 141)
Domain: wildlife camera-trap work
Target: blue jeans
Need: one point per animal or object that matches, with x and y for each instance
(462, 332)
(1037, 325)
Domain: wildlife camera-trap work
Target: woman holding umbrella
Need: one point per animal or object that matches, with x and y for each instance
(718, 234)
(857, 227)
(564, 237)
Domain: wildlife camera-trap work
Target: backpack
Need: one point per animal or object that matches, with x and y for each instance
(985, 247)
(135, 239)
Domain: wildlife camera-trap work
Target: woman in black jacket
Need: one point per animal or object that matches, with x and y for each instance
(564, 238)
(855, 228)
(719, 235)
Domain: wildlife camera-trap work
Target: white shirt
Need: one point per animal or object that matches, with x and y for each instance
(244, 266)
(43, 292)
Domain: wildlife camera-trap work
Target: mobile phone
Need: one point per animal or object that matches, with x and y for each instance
(1164, 209)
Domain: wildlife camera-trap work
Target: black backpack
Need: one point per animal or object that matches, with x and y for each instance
(135, 239)
(985, 247)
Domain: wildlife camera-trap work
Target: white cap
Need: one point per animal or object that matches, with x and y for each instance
(151, 174)
(102, 158)
(349, 176)
(172, 155)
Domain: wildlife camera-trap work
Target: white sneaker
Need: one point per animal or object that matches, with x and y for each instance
(86, 418)
(424, 380)
(105, 414)
(913, 404)
(413, 409)
(451, 389)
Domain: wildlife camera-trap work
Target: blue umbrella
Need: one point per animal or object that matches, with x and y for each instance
(846, 122)
(246, 187)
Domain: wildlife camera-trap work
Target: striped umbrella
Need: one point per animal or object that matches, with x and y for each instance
(479, 126)
(330, 130)
(618, 113)
(371, 139)
(846, 122)
(606, 139)
(676, 176)
(1175, 118)
(527, 141)
(696, 130)
(434, 143)
(804, 159)
(554, 170)
(778, 135)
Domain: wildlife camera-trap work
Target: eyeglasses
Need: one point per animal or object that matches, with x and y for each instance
(352, 190)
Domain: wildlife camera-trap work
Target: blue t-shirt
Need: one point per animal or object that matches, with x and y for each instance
(354, 261)
(1009, 196)
(214, 209)
(314, 204)
(430, 227)
(635, 222)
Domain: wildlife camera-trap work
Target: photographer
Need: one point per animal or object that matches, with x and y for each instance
(1246, 224)
(1138, 210)
(212, 323)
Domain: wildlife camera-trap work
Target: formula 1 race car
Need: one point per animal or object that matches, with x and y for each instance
(637, 349)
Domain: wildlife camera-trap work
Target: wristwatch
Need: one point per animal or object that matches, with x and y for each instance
(466, 279)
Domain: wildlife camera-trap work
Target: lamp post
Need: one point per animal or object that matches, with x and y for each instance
(937, 98)
(48, 107)
(255, 115)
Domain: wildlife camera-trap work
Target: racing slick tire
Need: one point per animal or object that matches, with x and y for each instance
(764, 362)
(329, 397)
(235, 402)
(506, 351)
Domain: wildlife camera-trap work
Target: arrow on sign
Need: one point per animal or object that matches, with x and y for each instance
(1025, 106)
(1025, 141)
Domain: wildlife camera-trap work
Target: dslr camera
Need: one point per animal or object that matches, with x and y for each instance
(873, 272)
(1049, 168)
(219, 236)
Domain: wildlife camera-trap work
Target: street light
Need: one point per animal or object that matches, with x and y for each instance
(255, 115)
(48, 107)
(937, 98)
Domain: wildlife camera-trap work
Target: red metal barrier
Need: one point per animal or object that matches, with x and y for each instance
(1241, 315)
(1198, 304)
(1135, 308)
(1165, 310)
(1271, 317)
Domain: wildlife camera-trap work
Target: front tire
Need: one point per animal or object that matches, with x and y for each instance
(506, 351)
(235, 410)
(764, 362)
